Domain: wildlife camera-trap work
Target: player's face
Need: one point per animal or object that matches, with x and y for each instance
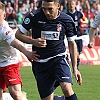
(50, 9)
(71, 5)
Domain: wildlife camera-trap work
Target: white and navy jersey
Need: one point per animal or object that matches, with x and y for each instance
(7, 53)
(77, 15)
(96, 21)
(53, 30)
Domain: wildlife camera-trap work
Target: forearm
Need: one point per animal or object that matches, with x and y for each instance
(92, 34)
(20, 46)
(38, 42)
(26, 39)
(73, 54)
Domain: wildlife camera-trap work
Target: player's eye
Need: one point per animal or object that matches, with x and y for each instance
(50, 9)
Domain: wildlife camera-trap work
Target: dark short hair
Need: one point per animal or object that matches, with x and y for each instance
(51, 0)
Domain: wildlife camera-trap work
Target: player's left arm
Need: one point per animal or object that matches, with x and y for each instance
(71, 34)
(73, 54)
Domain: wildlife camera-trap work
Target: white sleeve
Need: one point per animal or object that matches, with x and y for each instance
(96, 21)
(22, 29)
(7, 33)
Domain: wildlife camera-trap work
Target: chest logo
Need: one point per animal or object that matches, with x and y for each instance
(50, 35)
(59, 27)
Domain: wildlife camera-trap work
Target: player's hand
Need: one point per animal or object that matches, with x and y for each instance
(39, 42)
(90, 45)
(32, 56)
(78, 76)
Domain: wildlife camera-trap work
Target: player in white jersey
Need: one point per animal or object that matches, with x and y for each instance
(9, 67)
(93, 28)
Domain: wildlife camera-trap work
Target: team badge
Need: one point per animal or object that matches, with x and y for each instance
(76, 18)
(27, 21)
(59, 27)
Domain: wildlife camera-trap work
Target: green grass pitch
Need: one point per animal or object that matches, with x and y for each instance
(90, 89)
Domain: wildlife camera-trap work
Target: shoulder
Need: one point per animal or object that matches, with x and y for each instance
(5, 26)
(66, 17)
(5, 29)
(79, 13)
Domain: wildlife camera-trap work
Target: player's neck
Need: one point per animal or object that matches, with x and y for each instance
(72, 11)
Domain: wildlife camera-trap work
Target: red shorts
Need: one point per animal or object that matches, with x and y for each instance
(9, 75)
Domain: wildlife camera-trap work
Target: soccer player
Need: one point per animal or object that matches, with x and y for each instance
(9, 67)
(78, 18)
(95, 24)
(50, 24)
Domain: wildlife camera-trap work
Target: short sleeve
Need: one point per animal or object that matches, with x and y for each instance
(7, 33)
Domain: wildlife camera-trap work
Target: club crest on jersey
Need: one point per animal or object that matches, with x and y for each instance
(27, 21)
(59, 27)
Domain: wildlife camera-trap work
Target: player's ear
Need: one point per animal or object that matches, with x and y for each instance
(4, 15)
(58, 5)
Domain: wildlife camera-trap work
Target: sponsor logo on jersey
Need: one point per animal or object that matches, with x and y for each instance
(41, 22)
(50, 35)
(12, 79)
(27, 21)
(66, 77)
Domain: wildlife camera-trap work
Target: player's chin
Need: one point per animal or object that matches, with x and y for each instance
(49, 18)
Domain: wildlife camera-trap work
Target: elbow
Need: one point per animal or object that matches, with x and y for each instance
(18, 34)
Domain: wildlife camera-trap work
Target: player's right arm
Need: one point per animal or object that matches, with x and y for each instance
(39, 42)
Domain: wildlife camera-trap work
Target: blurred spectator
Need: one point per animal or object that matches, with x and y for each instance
(78, 5)
(39, 3)
(20, 2)
(10, 12)
(27, 3)
(89, 7)
(35, 5)
(90, 18)
(24, 10)
(85, 5)
(64, 6)
(19, 15)
(16, 5)
(94, 8)
(5, 1)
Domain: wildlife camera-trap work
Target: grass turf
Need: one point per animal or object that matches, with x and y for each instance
(90, 89)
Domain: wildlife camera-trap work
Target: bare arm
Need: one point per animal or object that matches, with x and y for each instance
(91, 37)
(30, 55)
(73, 55)
(39, 42)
